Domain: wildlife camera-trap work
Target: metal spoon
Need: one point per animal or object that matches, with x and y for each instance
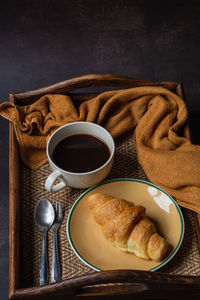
(44, 217)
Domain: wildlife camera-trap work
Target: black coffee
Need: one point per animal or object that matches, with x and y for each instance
(80, 153)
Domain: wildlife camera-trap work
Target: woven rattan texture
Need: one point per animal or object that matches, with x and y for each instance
(186, 261)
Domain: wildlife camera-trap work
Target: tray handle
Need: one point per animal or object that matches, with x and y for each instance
(120, 284)
(93, 80)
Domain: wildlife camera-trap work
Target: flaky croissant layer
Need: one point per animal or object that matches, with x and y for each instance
(127, 227)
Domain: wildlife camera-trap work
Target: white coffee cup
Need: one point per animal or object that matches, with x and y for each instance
(78, 180)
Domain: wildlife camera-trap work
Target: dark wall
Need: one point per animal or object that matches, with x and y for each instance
(47, 41)
(42, 42)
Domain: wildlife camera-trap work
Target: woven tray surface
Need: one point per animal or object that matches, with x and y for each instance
(185, 262)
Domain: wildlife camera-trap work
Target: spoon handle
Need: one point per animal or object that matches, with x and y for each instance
(44, 267)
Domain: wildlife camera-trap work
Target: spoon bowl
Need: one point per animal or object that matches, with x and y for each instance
(44, 215)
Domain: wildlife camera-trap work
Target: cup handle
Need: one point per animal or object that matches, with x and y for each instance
(49, 184)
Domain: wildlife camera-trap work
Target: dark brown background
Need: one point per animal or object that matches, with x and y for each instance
(42, 42)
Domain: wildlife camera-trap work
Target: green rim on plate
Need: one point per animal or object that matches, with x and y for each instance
(134, 180)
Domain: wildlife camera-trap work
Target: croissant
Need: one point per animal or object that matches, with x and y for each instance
(127, 227)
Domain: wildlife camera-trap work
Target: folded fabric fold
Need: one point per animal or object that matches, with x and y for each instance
(158, 116)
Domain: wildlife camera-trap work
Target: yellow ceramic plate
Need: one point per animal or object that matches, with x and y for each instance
(88, 242)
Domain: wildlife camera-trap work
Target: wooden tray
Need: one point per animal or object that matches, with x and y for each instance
(107, 284)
